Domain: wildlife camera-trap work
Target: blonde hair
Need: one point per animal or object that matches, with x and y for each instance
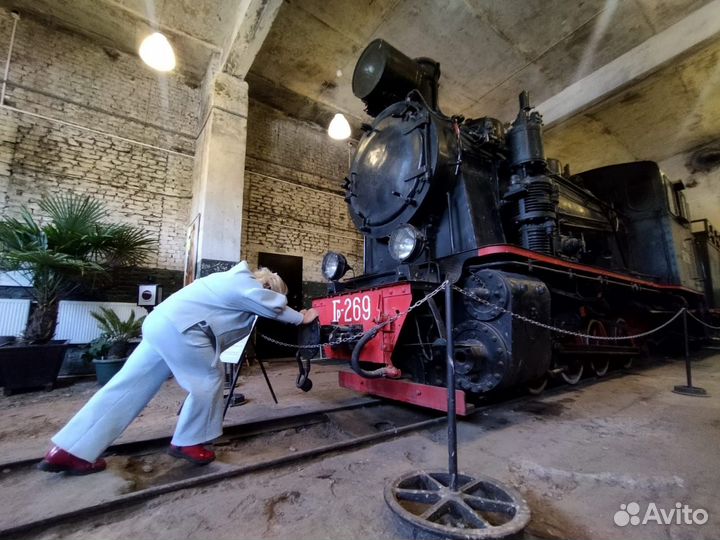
(270, 279)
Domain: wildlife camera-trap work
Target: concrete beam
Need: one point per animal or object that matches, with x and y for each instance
(692, 32)
(252, 24)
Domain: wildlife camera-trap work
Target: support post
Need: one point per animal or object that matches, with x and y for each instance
(419, 497)
(689, 389)
(450, 369)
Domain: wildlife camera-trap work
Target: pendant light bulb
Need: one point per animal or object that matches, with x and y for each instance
(339, 128)
(156, 52)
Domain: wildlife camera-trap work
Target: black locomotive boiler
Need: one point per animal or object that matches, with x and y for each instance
(605, 252)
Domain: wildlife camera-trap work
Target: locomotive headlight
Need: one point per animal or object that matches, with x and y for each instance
(405, 242)
(334, 266)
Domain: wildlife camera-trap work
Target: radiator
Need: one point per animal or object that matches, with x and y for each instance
(77, 325)
(13, 316)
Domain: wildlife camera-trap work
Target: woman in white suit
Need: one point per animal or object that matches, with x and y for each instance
(184, 336)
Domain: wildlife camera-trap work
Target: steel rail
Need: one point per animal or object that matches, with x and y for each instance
(231, 431)
(124, 501)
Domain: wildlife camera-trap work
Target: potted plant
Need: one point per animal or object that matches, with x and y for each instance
(109, 351)
(71, 244)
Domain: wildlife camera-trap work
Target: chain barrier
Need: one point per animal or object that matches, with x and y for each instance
(356, 337)
(562, 330)
(703, 322)
(500, 309)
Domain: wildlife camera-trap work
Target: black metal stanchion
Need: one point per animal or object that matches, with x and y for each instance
(451, 504)
(689, 389)
(452, 410)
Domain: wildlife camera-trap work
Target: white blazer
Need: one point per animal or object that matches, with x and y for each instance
(227, 302)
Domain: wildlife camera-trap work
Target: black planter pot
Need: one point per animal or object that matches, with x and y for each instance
(27, 367)
(5, 340)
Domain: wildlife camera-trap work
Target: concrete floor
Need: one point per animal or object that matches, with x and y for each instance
(576, 456)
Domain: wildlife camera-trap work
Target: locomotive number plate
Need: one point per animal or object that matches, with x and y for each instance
(352, 309)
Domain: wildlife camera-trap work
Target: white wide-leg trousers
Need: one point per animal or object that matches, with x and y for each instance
(189, 356)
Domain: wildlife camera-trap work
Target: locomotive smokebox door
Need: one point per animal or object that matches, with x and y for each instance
(391, 175)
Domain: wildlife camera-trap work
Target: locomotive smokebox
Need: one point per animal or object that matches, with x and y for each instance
(383, 76)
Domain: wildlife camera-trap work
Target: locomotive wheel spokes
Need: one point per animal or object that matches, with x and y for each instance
(598, 364)
(480, 508)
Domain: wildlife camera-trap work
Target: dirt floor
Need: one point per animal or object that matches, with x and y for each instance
(576, 456)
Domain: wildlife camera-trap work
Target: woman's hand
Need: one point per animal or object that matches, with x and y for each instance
(309, 315)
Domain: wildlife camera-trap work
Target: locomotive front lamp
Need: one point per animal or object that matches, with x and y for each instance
(156, 52)
(405, 242)
(339, 128)
(334, 266)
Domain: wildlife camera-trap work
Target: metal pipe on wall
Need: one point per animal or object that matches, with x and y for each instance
(16, 17)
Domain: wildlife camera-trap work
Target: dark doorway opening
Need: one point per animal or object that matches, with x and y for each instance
(290, 269)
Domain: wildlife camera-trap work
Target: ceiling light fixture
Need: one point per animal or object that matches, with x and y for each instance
(339, 128)
(156, 52)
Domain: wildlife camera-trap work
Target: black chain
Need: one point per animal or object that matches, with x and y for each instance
(495, 307)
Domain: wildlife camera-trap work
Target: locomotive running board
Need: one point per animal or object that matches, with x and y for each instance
(430, 397)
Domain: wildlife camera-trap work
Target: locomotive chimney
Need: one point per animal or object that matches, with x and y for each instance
(383, 76)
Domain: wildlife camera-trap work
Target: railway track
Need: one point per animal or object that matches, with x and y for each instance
(141, 470)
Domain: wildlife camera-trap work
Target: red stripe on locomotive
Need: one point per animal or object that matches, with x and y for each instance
(368, 309)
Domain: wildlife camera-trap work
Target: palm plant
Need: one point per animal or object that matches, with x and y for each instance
(116, 333)
(72, 246)
(114, 328)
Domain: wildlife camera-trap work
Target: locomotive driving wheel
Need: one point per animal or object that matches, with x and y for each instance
(573, 371)
(619, 330)
(598, 364)
(538, 386)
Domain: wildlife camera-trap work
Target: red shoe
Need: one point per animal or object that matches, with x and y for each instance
(58, 460)
(197, 454)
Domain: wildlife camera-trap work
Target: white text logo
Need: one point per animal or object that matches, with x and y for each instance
(681, 514)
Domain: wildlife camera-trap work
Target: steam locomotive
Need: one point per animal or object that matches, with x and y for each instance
(608, 252)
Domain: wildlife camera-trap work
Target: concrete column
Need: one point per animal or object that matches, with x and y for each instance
(219, 175)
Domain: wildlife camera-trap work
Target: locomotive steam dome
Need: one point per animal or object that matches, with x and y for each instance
(391, 174)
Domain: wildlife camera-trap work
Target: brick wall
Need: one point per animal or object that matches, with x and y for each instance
(293, 196)
(72, 80)
(293, 199)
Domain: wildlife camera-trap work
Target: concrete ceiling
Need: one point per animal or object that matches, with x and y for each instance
(195, 30)
(488, 51)
(674, 110)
